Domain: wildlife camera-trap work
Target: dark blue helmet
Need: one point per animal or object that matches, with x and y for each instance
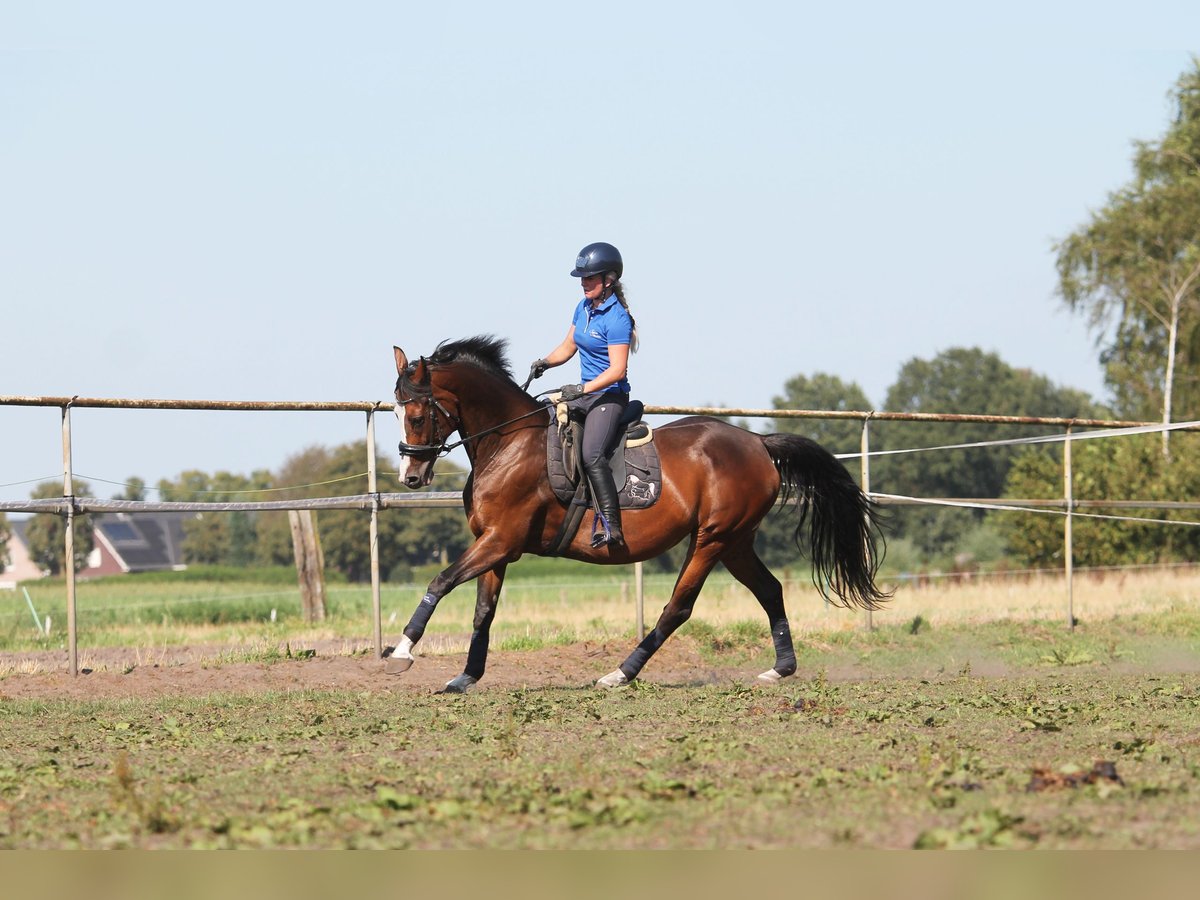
(598, 259)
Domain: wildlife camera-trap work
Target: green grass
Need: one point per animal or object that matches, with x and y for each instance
(878, 762)
(919, 733)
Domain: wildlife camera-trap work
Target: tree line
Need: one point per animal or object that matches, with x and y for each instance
(407, 537)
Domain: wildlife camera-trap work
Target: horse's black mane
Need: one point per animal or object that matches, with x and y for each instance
(485, 351)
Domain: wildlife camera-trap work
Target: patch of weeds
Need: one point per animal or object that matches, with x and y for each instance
(148, 806)
(738, 639)
(564, 638)
(1070, 657)
(1135, 747)
(617, 811)
(657, 787)
(1038, 719)
(521, 642)
(259, 653)
(988, 828)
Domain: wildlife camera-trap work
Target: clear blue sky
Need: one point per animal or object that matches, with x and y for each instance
(256, 200)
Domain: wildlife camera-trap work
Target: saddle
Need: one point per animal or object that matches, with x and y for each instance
(633, 459)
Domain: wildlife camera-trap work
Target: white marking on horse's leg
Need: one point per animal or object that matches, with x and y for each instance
(612, 680)
(460, 684)
(401, 659)
(770, 676)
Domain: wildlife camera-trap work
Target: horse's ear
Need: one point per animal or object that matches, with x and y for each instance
(420, 372)
(401, 360)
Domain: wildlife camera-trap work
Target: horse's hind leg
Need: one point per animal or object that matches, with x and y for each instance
(700, 561)
(487, 593)
(744, 564)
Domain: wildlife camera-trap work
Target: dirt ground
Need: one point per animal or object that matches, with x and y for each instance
(198, 671)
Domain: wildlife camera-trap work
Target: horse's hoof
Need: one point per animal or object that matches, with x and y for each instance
(460, 684)
(771, 676)
(397, 665)
(612, 680)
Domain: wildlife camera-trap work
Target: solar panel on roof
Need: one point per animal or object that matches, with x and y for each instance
(121, 531)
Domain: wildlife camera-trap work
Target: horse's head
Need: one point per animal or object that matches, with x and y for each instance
(425, 422)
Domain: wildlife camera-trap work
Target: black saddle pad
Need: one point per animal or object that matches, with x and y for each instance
(636, 471)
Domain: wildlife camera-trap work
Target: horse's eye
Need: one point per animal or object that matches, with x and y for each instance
(417, 421)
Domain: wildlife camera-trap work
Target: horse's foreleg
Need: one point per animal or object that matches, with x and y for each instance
(486, 596)
(488, 552)
(678, 610)
(744, 565)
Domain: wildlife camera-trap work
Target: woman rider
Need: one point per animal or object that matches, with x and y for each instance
(604, 333)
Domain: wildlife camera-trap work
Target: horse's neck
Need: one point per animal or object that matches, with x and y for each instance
(486, 404)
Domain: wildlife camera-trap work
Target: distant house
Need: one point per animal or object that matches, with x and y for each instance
(20, 567)
(146, 542)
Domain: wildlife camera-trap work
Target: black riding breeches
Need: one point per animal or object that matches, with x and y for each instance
(600, 427)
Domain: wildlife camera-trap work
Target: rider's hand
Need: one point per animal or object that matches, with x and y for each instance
(538, 369)
(570, 392)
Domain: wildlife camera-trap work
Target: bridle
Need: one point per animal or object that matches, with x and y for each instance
(420, 393)
(424, 394)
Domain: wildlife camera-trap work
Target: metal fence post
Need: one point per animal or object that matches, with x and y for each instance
(69, 542)
(373, 490)
(1068, 537)
(865, 466)
(639, 589)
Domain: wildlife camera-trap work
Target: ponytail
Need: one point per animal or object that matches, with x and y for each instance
(619, 290)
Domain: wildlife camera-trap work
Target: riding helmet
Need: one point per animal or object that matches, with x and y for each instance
(598, 259)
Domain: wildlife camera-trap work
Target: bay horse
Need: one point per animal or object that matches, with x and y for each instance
(718, 482)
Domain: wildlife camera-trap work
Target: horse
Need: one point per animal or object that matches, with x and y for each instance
(718, 483)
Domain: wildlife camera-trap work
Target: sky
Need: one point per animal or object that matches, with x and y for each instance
(255, 201)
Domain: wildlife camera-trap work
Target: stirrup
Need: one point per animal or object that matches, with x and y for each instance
(602, 534)
(600, 537)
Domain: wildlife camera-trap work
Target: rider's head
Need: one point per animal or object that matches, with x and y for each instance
(599, 259)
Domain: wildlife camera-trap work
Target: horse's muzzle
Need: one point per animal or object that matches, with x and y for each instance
(418, 475)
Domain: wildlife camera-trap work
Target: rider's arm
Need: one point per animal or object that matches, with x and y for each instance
(563, 351)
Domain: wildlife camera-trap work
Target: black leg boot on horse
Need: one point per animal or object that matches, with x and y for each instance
(607, 529)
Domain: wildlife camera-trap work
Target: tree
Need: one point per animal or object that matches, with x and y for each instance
(1117, 468)
(959, 380)
(1136, 264)
(218, 538)
(824, 392)
(406, 536)
(135, 489)
(45, 533)
(963, 380)
(5, 536)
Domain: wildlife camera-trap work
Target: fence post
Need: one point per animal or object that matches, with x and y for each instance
(865, 467)
(639, 589)
(310, 563)
(69, 541)
(1068, 537)
(373, 490)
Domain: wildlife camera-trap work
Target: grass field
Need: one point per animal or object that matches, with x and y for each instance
(545, 602)
(970, 716)
(958, 760)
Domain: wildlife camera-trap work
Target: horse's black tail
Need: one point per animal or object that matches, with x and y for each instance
(846, 543)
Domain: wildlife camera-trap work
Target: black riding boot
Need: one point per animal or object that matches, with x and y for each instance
(604, 492)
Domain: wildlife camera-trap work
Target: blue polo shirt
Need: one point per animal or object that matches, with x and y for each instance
(595, 329)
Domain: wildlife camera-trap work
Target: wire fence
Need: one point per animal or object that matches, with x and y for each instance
(69, 505)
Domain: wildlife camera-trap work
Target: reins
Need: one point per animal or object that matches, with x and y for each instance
(441, 448)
